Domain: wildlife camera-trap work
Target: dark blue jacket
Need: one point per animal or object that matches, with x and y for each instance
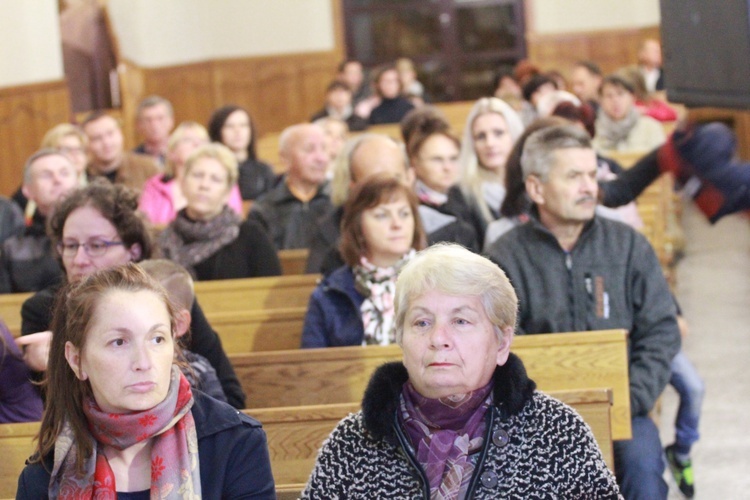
(233, 452)
(333, 317)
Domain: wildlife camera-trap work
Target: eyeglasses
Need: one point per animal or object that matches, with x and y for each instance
(94, 248)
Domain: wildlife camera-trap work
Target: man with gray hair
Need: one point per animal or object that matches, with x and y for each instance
(28, 263)
(576, 271)
(154, 120)
(291, 210)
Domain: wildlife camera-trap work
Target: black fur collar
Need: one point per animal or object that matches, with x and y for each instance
(512, 388)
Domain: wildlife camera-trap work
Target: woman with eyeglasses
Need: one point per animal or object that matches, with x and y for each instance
(98, 227)
(433, 154)
(94, 228)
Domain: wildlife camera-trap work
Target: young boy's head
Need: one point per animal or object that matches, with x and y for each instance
(178, 283)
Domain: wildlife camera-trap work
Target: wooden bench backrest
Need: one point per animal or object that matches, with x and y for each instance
(295, 435)
(268, 151)
(255, 294)
(10, 310)
(226, 296)
(293, 261)
(456, 114)
(562, 361)
(16, 445)
(254, 331)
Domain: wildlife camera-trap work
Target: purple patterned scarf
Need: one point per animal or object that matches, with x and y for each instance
(444, 433)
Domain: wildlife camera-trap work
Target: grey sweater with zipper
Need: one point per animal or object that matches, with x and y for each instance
(610, 279)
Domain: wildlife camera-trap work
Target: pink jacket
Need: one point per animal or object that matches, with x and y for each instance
(156, 200)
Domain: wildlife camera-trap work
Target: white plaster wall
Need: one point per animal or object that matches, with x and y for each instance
(155, 33)
(562, 16)
(30, 50)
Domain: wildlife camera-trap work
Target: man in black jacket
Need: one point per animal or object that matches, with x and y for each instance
(575, 271)
(290, 211)
(28, 263)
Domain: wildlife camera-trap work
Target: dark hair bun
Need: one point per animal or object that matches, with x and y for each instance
(421, 123)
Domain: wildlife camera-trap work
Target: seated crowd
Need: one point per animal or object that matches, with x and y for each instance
(529, 183)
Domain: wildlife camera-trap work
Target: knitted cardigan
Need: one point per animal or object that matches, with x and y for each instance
(534, 447)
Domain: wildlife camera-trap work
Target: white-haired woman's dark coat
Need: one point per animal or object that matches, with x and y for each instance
(535, 447)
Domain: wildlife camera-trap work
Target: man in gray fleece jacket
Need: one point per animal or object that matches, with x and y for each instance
(574, 271)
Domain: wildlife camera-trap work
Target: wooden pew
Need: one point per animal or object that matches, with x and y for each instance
(263, 330)
(456, 113)
(392, 130)
(293, 261)
(268, 151)
(561, 361)
(10, 310)
(16, 445)
(255, 294)
(257, 314)
(657, 207)
(279, 301)
(253, 314)
(296, 434)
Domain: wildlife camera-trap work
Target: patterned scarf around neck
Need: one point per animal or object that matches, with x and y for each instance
(175, 470)
(444, 433)
(378, 286)
(190, 242)
(611, 132)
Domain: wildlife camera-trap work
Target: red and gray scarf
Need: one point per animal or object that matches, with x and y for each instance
(175, 470)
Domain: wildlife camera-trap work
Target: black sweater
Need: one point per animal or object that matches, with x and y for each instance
(251, 255)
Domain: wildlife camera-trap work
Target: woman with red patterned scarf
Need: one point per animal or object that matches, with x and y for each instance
(121, 420)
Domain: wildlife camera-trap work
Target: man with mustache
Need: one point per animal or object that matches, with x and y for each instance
(575, 271)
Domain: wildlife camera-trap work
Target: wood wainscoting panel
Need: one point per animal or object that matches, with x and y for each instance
(267, 87)
(611, 49)
(278, 91)
(190, 88)
(27, 112)
(316, 73)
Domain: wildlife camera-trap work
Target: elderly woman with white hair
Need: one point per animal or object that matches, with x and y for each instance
(492, 128)
(458, 418)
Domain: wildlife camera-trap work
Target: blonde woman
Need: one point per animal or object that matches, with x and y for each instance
(491, 130)
(162, 195)
(207, 237)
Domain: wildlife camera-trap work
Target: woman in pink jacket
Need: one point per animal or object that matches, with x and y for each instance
(162, 195)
